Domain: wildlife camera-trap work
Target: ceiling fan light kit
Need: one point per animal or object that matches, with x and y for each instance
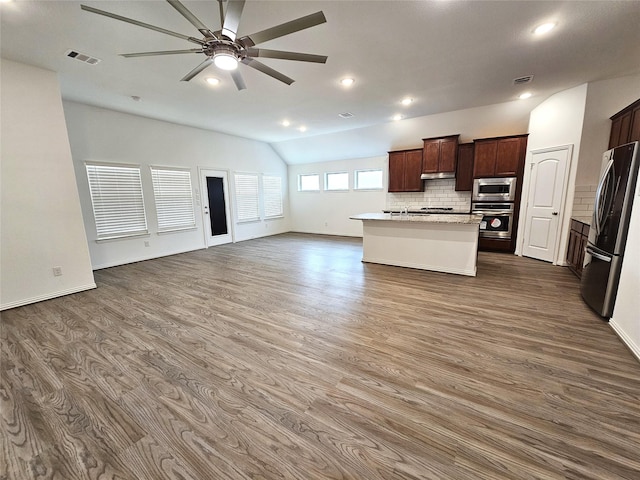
(223, 48)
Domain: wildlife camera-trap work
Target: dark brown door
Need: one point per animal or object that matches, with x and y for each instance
(412, 171)
(396, 171)
(448, 154)
(508, 157)
(464, 168)
(431, 155)
(484, 161)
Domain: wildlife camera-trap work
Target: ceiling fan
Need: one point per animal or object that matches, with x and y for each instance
(223, 48)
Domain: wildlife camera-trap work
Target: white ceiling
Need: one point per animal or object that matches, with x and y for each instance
(447, 55)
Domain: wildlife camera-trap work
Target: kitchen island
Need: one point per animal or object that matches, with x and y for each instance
(439, 242)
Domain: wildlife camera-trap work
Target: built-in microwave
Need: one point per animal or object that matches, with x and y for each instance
(494, 189)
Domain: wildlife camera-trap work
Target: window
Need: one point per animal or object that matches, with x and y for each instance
(116, 196)
(368, 179)
(272, 192)
(337, 181)
(309, 182)
(247, 197)
(174, 198)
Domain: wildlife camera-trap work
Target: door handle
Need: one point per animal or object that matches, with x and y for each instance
(597, 255)
(554, 213)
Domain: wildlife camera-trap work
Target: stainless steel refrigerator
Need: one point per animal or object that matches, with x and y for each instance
(609, 227)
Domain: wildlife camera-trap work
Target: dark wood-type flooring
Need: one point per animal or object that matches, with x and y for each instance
(287, 358)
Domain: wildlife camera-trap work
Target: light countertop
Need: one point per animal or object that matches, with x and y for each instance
(583, 219)
(466, 219)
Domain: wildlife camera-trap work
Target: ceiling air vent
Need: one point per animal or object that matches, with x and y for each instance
(83, 57)
(522, 80)
(345, 115)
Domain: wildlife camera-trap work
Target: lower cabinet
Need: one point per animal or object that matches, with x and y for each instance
(578, 236)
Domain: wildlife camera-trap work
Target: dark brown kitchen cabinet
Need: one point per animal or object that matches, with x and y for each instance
(625, 125)
(440, 154)
(499, 157)
(464, 168)
(405, 167)
(578, 236)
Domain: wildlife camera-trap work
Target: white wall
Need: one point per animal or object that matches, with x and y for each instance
(329, 212)
(626, 313)
(41, 225)
(97, 134)
(510, 118)
(556, 121)
(604, 99)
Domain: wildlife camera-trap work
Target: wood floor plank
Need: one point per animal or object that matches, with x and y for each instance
(286, 357)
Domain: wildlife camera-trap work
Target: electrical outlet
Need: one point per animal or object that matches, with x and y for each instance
(146, 244)
(57, 271)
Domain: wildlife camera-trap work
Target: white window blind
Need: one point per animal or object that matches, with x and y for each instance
(368, 179)
(272, 192)
(337, 181)
(309, 182)
(247, 197)
(118, 204)
(174, 198)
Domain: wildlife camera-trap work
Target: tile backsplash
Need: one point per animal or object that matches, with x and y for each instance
(437, 193)
(583, 200)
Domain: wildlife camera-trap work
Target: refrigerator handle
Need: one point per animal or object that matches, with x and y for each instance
(596, 210)
(597, 255)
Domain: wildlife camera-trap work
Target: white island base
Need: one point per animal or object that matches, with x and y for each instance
(442, 243)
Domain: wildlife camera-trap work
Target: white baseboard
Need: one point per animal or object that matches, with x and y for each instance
(422, 266)
(48, 296)
(627, 340)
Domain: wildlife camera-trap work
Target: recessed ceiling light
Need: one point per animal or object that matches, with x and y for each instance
(407, 101)
(525, 95)
(286, 123)
(6, 1)
(302, 128)
(347, 82)
(397, 117)
(212, 81)
(544, 28)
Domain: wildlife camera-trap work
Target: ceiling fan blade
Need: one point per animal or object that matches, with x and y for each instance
(301, 57)
(186, 13)
(268, 70)
(232, 18)
(197, 70)
(140, 24)
(238, 80)
(284, 29)
(161, 52)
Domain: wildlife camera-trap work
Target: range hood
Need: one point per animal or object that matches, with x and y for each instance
(434, 176)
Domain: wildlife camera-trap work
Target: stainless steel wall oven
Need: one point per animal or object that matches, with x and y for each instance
(494, 189)
(497, 219)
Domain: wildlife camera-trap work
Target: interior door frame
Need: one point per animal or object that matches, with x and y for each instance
(558, 257)
(202, 198)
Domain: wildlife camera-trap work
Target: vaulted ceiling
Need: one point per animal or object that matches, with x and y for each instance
(445, 55)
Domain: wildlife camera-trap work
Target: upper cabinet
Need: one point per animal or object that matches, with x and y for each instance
(440, 156)
(464, 168)
(499, 157)
(625, 125)
(405, 167)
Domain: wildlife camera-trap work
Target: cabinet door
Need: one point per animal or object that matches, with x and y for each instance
(574, 240)
(396, 171)
(448, 155)
(412, 171)
(634, 132)
(464, 168)
(508, 157)
(616, 123)
(484, 159)
(430, 156)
